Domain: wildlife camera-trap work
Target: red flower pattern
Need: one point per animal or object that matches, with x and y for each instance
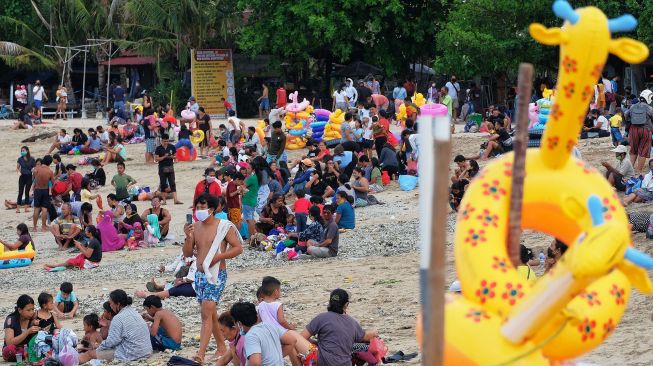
(569, 64)
(591, 297)
(608, 328)
(569, 89)
(488, 219)
(477, 315)
(486, 291)
(552, 142)
(508, 169)
(587, 92)
(500, 263)
(609, 208)
(475, 237)
(586, 329)
(493, 190)
(597, 71)
(619, 294)
(466, 212)
(586, 168)
(570, 145)
(556, 113)
(512, 293)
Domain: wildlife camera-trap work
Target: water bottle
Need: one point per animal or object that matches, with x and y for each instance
(19, 359)
(542, 258)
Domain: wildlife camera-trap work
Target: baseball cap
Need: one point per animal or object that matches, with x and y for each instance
(191, 99)
(455, 287)
(621, 149)
(307, 162)
(243, 165)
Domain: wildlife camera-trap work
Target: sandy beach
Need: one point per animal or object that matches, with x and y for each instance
(377, 263)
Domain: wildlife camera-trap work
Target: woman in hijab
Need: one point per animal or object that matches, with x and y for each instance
(111, 240)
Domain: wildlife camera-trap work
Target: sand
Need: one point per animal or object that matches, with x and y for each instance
(378, 262)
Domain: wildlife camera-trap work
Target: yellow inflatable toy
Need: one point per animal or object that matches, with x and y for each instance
(197, 137)
(260, 130)
(295, 142)
(401, 115)
(332, 128)
(418, 99)
(28, 253)
(500, 318)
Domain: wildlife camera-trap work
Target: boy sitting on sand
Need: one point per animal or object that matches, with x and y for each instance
(165, 331)
(66, 300)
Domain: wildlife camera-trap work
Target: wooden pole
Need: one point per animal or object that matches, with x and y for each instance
(524, 90)
(435, 144)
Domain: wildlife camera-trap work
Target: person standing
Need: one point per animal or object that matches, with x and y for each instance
(453, 89)
(165, 155)
(62, 100)
(149, 135)
(192, 105)
(399, 94)
(639, 134)
(119, 100)
(352, 93)
(277, 148)
(432, 93)
(39, 94)
(373, 85)
(363, 92)
(281, 97)
(213, 242)
(122, 182)
(340, 99)
(204, 124)
(264, 102)
(43, 178)
(446, 100)
(24, 168)
(410, 88)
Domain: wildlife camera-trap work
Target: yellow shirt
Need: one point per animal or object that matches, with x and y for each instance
(86, 195)
(615, 121)
(527, 273)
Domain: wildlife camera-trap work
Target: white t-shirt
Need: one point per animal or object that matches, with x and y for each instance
(225, 152)
(367, 128)
(65, 139)
(454, 88)
(339, 96)
(236, 121)
(605, 124)
(38, 92)
(352, 94)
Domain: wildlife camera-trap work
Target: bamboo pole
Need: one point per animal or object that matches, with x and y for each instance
(524, 90)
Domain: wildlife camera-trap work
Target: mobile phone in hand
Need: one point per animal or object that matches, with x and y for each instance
(189, 219)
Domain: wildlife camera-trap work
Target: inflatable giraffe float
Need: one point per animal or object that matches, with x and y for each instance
(503, 319)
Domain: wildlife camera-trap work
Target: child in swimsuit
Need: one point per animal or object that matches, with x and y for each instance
(45, 318)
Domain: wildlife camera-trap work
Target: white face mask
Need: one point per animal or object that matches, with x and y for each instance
(202, 215)
(210, 179)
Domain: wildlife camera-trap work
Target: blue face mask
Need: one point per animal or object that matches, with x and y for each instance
(23, 153)
(242, 331)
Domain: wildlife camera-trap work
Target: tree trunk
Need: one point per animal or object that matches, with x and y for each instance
(101, 72)
(67, 82)
(328, 66)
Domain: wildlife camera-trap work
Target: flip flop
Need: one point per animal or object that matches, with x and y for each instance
(396, 357)
(150, 286)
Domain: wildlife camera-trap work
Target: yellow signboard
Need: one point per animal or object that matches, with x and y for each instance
(212, 78)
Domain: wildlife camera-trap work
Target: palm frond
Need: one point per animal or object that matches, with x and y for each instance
(15, 55)
(38, 13)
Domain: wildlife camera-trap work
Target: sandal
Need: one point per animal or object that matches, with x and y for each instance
(150, 286)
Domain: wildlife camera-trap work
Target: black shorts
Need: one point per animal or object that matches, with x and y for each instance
(183, 290)
(167, 180)
(367, 144)
(41, 198)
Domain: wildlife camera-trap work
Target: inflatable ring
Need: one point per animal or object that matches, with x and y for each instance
(318, 124)
(15, 263)
(301, 132)
(184, 155)
(27, 253)
(322, 112)
(260, 133)
(197, 137)
(501, 318)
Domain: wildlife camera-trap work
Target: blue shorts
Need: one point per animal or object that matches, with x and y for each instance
(162, 342)
(265, 104)
(207, 291)
(150, 145)
(616, 134)
(248, 212)
(41, 198)
(37, 103)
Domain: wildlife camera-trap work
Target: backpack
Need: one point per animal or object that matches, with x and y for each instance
(638, 114)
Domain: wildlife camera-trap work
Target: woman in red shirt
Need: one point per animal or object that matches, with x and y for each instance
(208, 185)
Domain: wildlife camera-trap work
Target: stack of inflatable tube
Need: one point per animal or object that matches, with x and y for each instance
(17, 258)
(319, 122)
(332, 128)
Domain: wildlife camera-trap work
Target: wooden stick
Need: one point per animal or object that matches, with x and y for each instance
(524, 90)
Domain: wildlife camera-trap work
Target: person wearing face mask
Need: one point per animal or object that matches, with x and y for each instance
(24, 167)
(340, 100)
(207, 185)
(213, 241)
(619, 174)
(432, 93)
(352, 93)
(93, 143)
(645, 192)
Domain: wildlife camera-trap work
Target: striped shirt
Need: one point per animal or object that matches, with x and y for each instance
(129, 336)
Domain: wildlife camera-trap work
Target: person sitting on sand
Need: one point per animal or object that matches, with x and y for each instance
(231, 332)
(645, 192)
(24, 238)
(19, 328)
(111, 240)
(618, 174)
(62, 139)
(498, 143)
(129, 336)
(274, 215)
(117, 153)
(131, 217)
(184, 271)
(336, 331)
(90, 254)
(66, 301)
(207, 185)
(45, 317)
(98, 173)
(328, 245)
(166, 330)
(65, 228)
(163, 215)
(92, 336)
(105, 319)
(117, 208)
(345, 216)
(554, 252)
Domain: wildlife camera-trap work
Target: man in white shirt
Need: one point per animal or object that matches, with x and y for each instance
(352, 93)
(38, 94)
(601, 126)
(618, 174)
(454, 88)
